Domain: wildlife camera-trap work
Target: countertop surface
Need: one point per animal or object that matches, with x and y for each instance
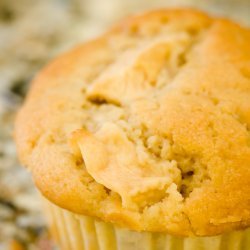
(31, 33)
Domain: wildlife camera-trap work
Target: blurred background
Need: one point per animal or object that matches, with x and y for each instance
(31, 33)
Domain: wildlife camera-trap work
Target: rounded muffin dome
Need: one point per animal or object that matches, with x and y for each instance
(147, 126)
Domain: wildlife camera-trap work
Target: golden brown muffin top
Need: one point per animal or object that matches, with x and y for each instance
(147, 126)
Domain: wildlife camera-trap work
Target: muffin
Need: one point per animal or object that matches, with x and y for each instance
(140, 139)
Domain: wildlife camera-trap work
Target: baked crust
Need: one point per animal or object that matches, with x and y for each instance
(177, 84)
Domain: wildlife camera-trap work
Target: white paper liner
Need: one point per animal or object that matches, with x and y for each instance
(74, 232)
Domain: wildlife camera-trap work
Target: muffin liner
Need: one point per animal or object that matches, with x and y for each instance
(76, 232)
